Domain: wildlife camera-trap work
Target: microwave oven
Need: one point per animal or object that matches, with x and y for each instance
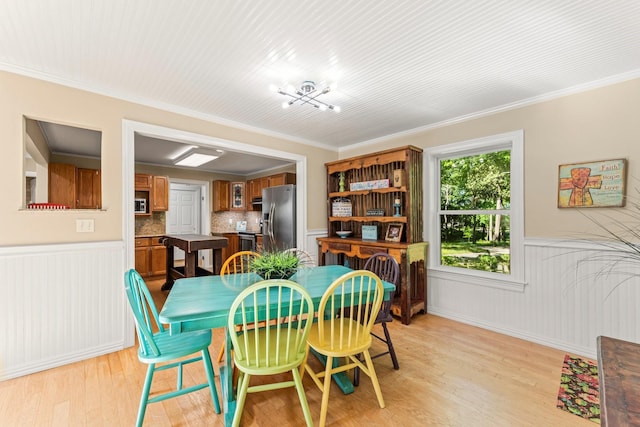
(140, 205)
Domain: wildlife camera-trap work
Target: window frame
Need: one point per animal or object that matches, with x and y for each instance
(513, 141)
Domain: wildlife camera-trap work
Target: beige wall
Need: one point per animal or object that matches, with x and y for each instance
(36, 99)
(593, 125)
(599, 124)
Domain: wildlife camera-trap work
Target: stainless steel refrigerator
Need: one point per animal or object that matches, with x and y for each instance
(279, 217)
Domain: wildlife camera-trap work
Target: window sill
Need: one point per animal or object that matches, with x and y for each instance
(477, 278)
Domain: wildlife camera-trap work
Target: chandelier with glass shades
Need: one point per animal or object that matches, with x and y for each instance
(307, 93)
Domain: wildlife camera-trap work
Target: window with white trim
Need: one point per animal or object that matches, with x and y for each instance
(475, 217)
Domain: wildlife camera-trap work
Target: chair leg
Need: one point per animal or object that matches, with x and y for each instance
(356, 376)
(208, 367)
(374, 378)
(303, 365)
(145, 393)
(297, 379)
(325, 392)
(392, 351)
(241, 397)
(221, 354)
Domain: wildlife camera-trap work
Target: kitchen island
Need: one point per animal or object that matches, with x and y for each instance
(191, 244)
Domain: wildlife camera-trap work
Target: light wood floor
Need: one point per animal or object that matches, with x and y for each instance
(450, 374)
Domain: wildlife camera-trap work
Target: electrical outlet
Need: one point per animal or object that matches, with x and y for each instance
(84, 225)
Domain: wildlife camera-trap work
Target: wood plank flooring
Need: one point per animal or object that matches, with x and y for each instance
(451, 374)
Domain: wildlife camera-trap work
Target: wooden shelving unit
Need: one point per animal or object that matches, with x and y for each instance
(403, 168)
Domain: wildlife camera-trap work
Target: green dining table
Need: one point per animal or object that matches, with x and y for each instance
(198, 303)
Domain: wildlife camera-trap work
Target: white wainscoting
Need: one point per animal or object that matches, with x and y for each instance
(566, 302)
(312, 243)
(64, 303)
(60, 304)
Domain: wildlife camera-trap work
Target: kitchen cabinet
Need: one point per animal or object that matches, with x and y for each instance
(74, 187)
(221, 196)
(387, 192)
(143, 181)
(62, 184)
(160, 193)
(282, 179)
(238, 195)
(88, 189)
(255, 186)
(155, 190)
(150, 256)
(233, 245)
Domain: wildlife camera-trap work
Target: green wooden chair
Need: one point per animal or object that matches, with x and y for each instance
(265, 342)
(160, 347)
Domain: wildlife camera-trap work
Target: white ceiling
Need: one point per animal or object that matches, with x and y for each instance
(399, 65)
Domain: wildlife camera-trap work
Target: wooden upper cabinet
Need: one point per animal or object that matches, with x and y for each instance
(221, 196)
(62, 184)
(76, 188)
(88, 189)
(154, 189)
(160, 197)
(143, 181)
(282, 179)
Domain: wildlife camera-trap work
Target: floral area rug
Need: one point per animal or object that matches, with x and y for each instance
(578, 392)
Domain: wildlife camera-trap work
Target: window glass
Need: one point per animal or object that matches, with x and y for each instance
(475, 209)
(474, 184)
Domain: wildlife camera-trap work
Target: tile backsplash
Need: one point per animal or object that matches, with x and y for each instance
(154, 225)
(224, 222)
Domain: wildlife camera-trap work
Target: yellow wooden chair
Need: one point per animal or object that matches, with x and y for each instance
(267, 343)
(347, 312)
(240, 262)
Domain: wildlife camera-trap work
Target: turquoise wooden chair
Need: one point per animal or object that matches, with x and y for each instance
(161, 347)
(265, 342)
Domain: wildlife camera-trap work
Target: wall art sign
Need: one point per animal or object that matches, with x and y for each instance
(593, 184)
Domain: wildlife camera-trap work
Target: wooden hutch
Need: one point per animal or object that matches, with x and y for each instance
(367, 195)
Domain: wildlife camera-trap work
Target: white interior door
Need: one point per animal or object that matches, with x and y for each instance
(183, 216)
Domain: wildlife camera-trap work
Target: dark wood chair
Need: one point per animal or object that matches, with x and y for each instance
(387, 268)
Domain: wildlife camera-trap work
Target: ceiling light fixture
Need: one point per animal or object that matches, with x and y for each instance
(307, 93)
(196, 159)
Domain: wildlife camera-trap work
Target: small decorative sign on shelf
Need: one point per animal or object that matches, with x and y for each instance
(341, 207)
(375, 212)
(369, 185)
(369, 232)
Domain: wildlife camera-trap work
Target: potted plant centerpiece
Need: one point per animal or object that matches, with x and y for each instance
(276, 264)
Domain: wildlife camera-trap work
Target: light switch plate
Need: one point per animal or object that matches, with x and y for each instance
(84, 225)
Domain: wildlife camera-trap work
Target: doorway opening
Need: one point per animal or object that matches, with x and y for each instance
(131, 128)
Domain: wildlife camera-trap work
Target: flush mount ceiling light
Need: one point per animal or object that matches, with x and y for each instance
(196, 159)
(307, 93)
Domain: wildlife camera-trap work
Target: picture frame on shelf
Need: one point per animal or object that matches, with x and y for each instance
(394, 232)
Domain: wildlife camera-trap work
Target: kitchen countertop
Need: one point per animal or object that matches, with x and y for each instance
(220, 233)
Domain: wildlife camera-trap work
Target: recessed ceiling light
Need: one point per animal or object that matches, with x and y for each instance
(195, 160)
(181, 151)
